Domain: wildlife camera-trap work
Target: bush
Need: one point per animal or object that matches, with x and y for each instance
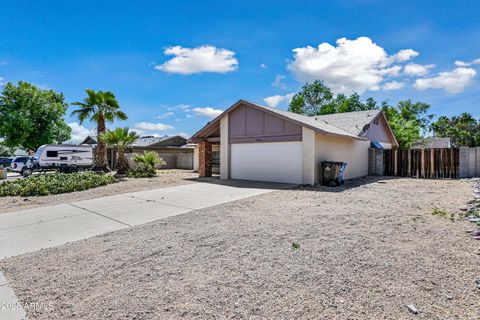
(41, 185)
(142, 172)
(146, 165)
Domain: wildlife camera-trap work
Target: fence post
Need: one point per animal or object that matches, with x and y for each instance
(379, 170)
(477, 162)
(371, 161)
(464, 162)
(472, 159)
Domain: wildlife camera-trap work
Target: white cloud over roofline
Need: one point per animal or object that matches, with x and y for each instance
(350, 66)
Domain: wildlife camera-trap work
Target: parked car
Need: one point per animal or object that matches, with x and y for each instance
(18, 164)
(6, 162)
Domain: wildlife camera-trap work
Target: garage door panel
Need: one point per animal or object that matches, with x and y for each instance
(276, 161)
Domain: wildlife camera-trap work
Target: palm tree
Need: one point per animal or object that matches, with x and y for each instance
(121, 138)
(99, 106)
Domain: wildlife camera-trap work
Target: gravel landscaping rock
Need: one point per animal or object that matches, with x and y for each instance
(165, 178)
(365, 251)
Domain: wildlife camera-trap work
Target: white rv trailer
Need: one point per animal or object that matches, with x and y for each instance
(61, 157)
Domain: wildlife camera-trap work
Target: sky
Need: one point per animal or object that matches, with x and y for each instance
(175, 65)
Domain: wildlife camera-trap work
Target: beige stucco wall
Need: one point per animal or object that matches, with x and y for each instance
(308, 156)
(380, 132)
(224, 149)
(353, 152)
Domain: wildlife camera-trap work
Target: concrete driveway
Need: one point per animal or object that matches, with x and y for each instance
(34, 229)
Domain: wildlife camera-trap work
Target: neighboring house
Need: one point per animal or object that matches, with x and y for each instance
(432, 142)
(89, 140)
(174, 150)
(268, 144)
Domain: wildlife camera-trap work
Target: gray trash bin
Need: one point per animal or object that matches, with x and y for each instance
(332, 173)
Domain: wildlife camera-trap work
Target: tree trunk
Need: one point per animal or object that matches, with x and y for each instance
(122, 163)
(101, 151)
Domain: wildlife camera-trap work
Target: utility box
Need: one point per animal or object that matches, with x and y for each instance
(3, 174)
(332, 173)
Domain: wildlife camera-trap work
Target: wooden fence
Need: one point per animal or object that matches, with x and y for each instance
(422, 163)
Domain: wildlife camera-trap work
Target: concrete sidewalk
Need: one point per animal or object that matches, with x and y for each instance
(34, 229)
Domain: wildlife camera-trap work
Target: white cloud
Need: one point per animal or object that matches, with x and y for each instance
(352, 65)
(392, 71)
(189, 115)
(460, 63)
(177, 106)
(198, 60)
(275, 101)
(165, 115)
(1, 81)
(405, 55)
(278, 82)
(413, 69)
(393, 85)
(208, 112)
(452, 82)
(263, 65)
(79, 132)
(149, 126)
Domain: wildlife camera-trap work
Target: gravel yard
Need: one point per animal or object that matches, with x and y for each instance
(361, 252)
(165, 178)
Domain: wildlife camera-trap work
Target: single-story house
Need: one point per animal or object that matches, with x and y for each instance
(268, 144)
(174, 150)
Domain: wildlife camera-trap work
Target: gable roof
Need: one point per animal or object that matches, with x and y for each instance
(432, 142)
(148, 141)
(309, 122)
(351, 122)
(160, 141)
(89, 140)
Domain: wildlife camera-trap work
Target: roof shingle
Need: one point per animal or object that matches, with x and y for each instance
(351, 122)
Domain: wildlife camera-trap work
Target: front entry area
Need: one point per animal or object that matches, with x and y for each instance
(273, 161)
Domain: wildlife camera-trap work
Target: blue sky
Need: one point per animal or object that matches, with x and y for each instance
(173, 65)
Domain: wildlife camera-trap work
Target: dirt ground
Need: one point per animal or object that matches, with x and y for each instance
(360, 252)
(165, 178)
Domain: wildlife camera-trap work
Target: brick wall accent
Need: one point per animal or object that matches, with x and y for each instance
(205, 159)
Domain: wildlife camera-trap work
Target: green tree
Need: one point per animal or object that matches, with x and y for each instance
(6, 151)
(407, 120)
(314, 99)
(100, 107)
(30, 117)
(317, 99)
(463, 130)
(120, 138)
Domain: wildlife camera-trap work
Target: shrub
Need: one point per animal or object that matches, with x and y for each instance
(41, 185)
(295, 245)
(141, 172)
(146, 165)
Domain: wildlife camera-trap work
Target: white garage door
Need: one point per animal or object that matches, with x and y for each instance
(272, 161)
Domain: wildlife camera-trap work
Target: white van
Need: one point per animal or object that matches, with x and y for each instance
(61, 157)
